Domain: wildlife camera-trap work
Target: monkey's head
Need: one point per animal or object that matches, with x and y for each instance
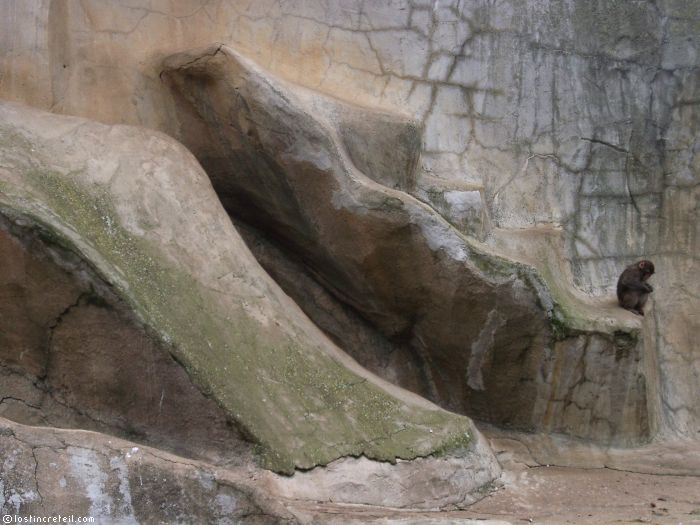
(646, 268)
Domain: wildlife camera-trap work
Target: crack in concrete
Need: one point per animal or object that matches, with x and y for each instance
(12, 398)
(36, 476)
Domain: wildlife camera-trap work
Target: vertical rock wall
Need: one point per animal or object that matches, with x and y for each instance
(578, 119)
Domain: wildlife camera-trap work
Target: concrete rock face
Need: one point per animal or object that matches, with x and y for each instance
(141, 314)
(448, 189)
(477, 331)
(575, 122)
(91, 475)
(74, 357)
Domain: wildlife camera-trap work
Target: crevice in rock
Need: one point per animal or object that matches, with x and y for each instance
(12, 398)
(36, 475)
(345, 326)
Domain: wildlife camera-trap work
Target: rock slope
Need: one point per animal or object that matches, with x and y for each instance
(140, 262)
(487, 336)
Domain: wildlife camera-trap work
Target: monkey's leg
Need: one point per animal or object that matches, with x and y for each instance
(630, 300)
(641, 302)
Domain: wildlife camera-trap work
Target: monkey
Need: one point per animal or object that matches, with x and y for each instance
(632, 288)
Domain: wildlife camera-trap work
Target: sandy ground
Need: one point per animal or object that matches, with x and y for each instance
(551, 495)
(658, 484)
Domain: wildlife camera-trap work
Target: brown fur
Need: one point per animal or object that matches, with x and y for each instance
(632, 288)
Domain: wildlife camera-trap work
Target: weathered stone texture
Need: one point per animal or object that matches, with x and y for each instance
(86, 474)
(563, 135)
(140, 262)
(581, 116)
(72, 355)
(480, 329)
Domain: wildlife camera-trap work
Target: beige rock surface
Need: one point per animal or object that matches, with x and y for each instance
(489, 338)
(123, 229)
(551, 496)
(574, 118)
(561, 135)
(55, 472)
(89, 474)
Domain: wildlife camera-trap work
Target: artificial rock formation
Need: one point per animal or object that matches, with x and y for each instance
(87, 474)
(543, 145)
(479, 334)
(123, 231)
(569, 129)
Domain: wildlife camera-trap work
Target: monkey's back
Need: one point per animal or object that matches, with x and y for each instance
(629, 274)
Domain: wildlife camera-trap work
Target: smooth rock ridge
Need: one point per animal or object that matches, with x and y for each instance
(487, 336)
(135, 211)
